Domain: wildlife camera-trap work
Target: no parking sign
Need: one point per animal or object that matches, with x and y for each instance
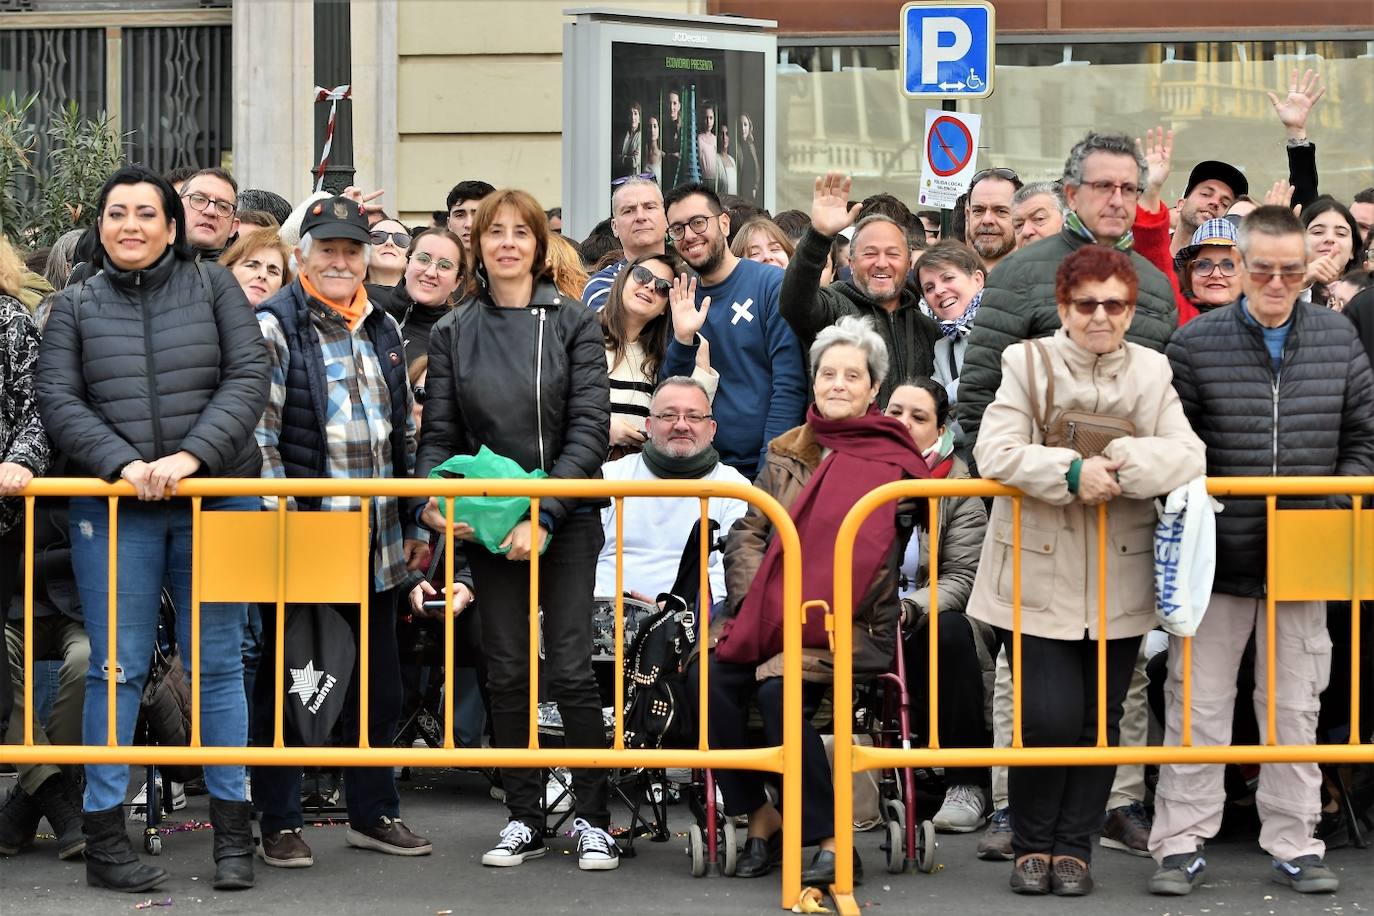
(950, 156)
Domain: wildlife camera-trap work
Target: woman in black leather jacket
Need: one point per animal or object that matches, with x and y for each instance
(520, 368)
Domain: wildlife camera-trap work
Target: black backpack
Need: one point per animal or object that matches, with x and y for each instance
(658, 710)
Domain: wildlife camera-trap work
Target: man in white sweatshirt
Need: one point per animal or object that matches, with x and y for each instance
(680, 430)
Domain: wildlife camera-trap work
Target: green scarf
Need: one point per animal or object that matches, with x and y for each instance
(1075, 225)
(673, 468)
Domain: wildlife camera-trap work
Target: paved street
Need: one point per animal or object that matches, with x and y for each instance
(454, 810)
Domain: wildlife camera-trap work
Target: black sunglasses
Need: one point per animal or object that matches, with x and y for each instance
(1004, 174)
(379, 237)
(646, 277)
(643, 176)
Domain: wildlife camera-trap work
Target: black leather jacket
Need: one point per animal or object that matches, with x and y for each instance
(528, 383)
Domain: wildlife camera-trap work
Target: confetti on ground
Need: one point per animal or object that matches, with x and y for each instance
(150, 903)
(443, 913)
(810, 902)
(183, 827)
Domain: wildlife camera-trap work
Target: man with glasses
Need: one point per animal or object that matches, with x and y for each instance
(1276, 388)
(987, 217)
(680, 431)
(1103, 178)
(210, 197)
(763, 387)
(637, 219)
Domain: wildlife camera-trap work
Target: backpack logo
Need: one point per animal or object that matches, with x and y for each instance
(305, 683)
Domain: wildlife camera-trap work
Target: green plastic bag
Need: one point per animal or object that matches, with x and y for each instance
(491, 517)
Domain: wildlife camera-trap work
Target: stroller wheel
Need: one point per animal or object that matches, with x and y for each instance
(729, 848)
(152, 842)
(893, 848)
(925, 847)
(896, 812)
(696, 848)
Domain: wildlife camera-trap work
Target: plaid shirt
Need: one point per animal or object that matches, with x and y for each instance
(357, 430)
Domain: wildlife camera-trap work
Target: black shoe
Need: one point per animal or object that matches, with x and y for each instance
(60, 803)
(19, 817)
(1070, 877)
(1031, 875)
(110, 858)
(759, 856)
(233, 844)
(821, 871)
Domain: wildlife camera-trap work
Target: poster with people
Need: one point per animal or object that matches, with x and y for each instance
(680, 115)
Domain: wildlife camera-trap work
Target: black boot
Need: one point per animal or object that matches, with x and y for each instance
(61, 805)
(19, 817)
(110, 858)
(233, 844)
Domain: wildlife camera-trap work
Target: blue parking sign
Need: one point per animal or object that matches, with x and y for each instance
(947, 49)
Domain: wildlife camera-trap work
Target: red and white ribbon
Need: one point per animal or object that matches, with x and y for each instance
(332, 96)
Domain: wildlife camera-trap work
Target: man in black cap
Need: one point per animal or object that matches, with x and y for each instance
(1212, 187)
(340, 406)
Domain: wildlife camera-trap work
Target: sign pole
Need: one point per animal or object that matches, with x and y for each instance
(947, 216)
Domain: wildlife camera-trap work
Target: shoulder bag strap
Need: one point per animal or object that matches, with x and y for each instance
(1036, 417)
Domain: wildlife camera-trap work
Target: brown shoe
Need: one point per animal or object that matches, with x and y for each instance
(995, 845)
(1128, 829)
(388, 835)
(1031, 874)
(1070, 877)
(286, 849)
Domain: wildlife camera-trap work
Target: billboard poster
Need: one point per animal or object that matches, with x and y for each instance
(683, 114)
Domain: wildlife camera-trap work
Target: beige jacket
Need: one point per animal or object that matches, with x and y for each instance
(1058, 533)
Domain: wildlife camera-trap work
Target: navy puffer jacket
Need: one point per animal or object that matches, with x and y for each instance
(141, 364)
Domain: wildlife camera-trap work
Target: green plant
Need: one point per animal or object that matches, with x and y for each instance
(82, 153)
(17, 142)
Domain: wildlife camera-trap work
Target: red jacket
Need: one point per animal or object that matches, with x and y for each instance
(1152, 239)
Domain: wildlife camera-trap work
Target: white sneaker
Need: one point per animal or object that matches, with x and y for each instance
(596, 849)
(140, 802)
(962, 812)
(518, 843)
(558, 793)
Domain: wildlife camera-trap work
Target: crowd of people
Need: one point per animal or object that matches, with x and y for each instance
(202, 330)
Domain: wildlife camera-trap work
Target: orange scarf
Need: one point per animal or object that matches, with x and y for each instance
(351, 311)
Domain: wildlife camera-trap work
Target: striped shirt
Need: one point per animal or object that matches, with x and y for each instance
(357, 429)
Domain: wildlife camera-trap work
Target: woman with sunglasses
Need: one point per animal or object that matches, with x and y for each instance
(390, 239)
(1058, 810)
(427, 287)
(635, 326)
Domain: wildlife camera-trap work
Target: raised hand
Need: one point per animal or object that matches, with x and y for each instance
(687, 318)
(1158, 150)
(1303, 93)
(1281, 194)
(356, 194)
(830, 210)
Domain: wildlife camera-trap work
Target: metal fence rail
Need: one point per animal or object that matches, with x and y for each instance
(1313, 554)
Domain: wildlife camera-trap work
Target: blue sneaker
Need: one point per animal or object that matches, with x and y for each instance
(1306, 875)
(1177, 875)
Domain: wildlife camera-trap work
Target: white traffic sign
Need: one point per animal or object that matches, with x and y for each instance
(950, 157)
(948, 49)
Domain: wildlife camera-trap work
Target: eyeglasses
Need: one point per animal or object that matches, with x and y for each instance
(642, 176)
(399, 239)
(419, 392)
(1129, 190)
(1089, 306)
(1004, 174)
(697, 224)
(645, 277)
(692, 419)
(1261, 274)
(424, 259)
(1205, 267)
(198, 201)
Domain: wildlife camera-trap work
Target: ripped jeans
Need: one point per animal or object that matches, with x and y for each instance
(155, 550)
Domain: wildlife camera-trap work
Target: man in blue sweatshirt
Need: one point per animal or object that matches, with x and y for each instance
(763, 386)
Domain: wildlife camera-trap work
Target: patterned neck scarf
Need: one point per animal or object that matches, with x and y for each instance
(961, 326)
(1075, 225)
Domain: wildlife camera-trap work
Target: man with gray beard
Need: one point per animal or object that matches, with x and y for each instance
(988, 214)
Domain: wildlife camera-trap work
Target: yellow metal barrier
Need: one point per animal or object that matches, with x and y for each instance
(311, 557)
(1313, 554)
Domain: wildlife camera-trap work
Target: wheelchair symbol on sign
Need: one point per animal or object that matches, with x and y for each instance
(974, 81)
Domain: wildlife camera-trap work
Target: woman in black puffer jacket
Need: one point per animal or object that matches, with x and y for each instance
(521, 369)
(152, 370)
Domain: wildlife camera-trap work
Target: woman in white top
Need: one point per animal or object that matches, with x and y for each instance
(950, 276)
(727, 176)
(635, 324)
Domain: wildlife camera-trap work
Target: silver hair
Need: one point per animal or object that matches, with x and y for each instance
(869, 220)
(1036, 188)
(1094, 142)
(305, 244)
(1273, 221)
(685, 381)
(855, 331)
(59, 265)
(635, 182)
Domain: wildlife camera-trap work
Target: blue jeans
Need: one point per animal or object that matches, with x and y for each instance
(155, 550)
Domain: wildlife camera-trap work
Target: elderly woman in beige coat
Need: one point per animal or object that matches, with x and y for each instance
(1057, 810)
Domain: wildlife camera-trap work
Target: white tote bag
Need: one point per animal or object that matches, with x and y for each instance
(1185, 557)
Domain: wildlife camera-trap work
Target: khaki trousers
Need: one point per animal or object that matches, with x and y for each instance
(1189, 798)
